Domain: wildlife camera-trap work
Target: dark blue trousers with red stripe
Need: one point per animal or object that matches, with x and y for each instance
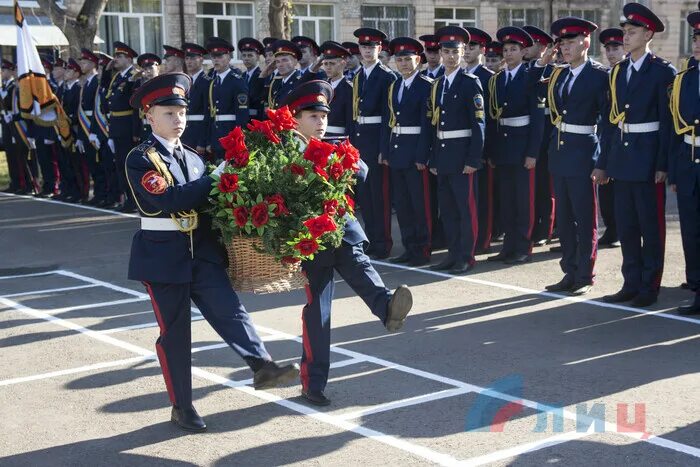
(355, 268)
(577, 222)
(640, 213)
(48, 161)
(458, 211)
(374, 199)
(211, 291)
(517, 197)
(485, 199)
(411, 199)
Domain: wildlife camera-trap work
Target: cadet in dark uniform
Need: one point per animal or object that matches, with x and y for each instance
(287, 56)
(69, 162)
(434, 68)
(173, 59)
(124, 122)
(370, 95)
(355, 60)
(251, 50)
(684, 164)
(473, 56)
(637, 157)
(310, 51)
(456, 109)
(149, 64)
(614, 51)
(494, 56)
(334, 59)
(9, 142)
(349, 260)
(406, 142)
(195, 134)
(45, 138)
(518, 112)
(176, 254)
(228, 96)
(578, 100)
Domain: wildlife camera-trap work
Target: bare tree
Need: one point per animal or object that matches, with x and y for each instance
(280, 18)
(79, 26)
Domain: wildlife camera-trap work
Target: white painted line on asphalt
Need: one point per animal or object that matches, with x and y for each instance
(69, 205)
(409, 401)
(151, 324)
(635, 349)
(108, 285)
(123, 301)
(34, 274)
(524, 448)
(71, 371)
(541, 293)
(47, 291)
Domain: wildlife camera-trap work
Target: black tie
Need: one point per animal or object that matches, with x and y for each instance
(507, 79)
(565, 89)
(445, 89)
(180, 158)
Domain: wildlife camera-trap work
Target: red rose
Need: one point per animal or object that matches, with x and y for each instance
(349, 155)
(241, 215)
(234, 141)
(228, 183)
(307, 246)
(281, 119)
(320, 172)
(259, 215)
(296, 169)
(289, 260)
(330, 207)
(319, 225)
(318, 152)
(266, 129)
(341, 211)
(239, 159)
(351, 203)
(336, 171)
(278, 201)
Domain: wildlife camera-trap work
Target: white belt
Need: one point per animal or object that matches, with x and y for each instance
(638, 127)
(336, 130)
(158, 223)
(454, 134)
(410, 130)
(253, 112)
(88, 113)
(144, 121)
(225, 118)
(515, 121)
(689, 140)
(369, 120)
(577, 129)
(547, 111)
(195, 118)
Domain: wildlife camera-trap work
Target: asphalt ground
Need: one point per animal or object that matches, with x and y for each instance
(488, 370)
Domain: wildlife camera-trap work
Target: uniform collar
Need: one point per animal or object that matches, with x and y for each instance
(451, 77)
(196, 75)
(408, 81)
(170, 147)
(514, 71)
(288, 77)
(70, 84)
(125, 72)
(222, 76)
(638, 64)
(435, 70)
(472, 70)
(335, 83)
(368, 71)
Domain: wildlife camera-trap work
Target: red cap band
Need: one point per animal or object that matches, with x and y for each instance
(162, 92)
(641, 19)
(312, 98)
(575, 30)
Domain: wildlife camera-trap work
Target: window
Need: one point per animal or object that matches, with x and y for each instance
(314, 21)
(685, 44)
(455, 17)
(138, 23)
(395, 21)
(228, 20)
(590, 15)
(520, 17)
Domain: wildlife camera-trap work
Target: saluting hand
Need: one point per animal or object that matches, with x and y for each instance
(548, 56)
(420, 166)
(660, 177)
(468, 170)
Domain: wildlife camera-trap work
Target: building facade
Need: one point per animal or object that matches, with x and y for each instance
(148, 24)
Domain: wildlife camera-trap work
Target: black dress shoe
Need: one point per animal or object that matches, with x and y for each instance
(400, 304)
(444, 265)
(498, 238)
(644, 300)
(417, 262)
(580, 289)
(540, 242)
(690, 310)
(518, 259)
(483, 251)
(607, 242)
(686, 286)
(405, 257)
(188, 419)
(316, 398)
(556, 249)
(564, 285)
(461, 267)
(271, 375)
(621, 296)
(500, 257)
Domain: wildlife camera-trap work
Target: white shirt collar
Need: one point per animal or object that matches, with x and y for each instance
(69, 84)
(88, 79)
(123, 73)
(577, 71)
(514, 71)
(638, 64)
(435, 70)
(252, 70)
(335, 83)
(286, 78)
(451, 76)
(368, 71)
(303, 70)
(408, 81)
(196, 75)
(170, 147)
(472, 70)
(223, 74)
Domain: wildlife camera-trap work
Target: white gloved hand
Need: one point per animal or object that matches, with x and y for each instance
(32, 143)
(110, 143)
(217, 171)
(7, 117)
(80, 146)
(94, 140)
(49, 141)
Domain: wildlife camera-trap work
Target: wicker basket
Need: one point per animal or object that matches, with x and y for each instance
(252, 271)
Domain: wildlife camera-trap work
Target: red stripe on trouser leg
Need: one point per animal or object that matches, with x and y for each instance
(661, 219)
(86, 176)
(553, 212)
(162, 358)
(489, 208)
(387, 207)
(22, 175)
(56, 170)
(304, 370)
(428, 210)
(531, 208)
(473, 214)
(594, 250)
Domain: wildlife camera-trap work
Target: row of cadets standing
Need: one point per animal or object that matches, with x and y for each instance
(637, 158)
(334, 59)
(370, 95)
(251, 49)
(19, 180)
(149, 64)
(195, 135)
(518, 113)
(406, 141)
(74, 174)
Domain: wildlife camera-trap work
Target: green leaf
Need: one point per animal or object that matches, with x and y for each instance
(248, 228)
(259, 199)
(229, 197)
(260, 230)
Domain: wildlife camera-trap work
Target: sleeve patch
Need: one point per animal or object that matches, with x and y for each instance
(479, 102)
(242, 99)
(154, 183)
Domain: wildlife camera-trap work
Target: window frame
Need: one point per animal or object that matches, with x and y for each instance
(525, 10)
(232, 19)
(142, 28)
(410, 18)
(454, 20)
(316, 19)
